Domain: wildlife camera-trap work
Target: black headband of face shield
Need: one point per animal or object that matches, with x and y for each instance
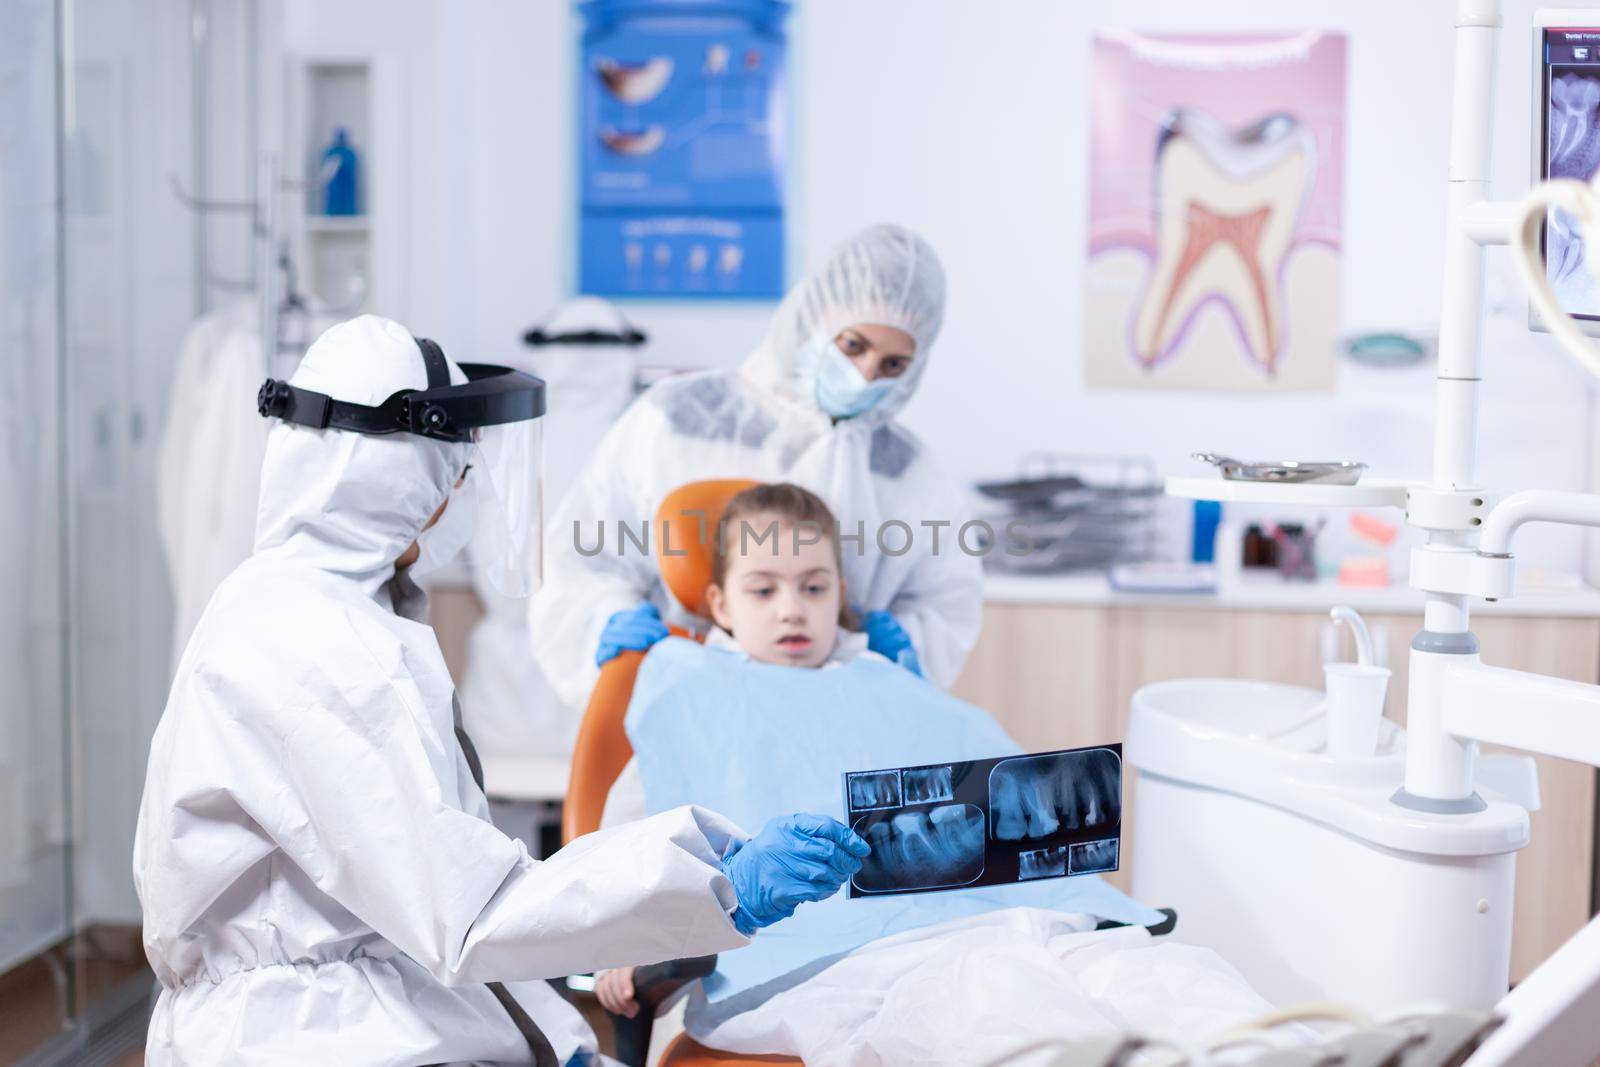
(630, 337)
(491, 396)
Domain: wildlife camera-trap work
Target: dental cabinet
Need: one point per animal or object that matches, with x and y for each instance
(1059, 659)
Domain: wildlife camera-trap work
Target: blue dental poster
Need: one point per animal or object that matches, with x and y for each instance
(681, 142)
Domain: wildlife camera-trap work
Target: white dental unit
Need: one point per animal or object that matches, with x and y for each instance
(1385, 880)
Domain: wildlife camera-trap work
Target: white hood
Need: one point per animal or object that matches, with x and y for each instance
(886, 276)
(350, 503)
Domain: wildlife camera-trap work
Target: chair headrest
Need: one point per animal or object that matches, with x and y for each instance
(685, 529)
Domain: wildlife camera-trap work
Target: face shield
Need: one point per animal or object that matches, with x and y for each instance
(497, 411)
(508, 477)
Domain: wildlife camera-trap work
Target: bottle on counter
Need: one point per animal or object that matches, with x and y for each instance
(341, 170)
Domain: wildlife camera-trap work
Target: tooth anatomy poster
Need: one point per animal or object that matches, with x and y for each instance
(1216, 173)
(987, 822)
(681, 144)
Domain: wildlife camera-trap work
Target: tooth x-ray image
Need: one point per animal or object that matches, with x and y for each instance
(927, 784)
(1092, 856)
(1042, 863)
(987, 822)
(874, 789)
(1572, 150)
(1031, 797)
(940, 848)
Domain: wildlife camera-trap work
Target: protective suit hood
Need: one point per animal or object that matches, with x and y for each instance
(349, 503)
(885, 275)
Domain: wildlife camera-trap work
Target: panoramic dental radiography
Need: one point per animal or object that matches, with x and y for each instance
(922, 850)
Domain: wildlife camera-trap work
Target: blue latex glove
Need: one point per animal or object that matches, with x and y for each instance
(889, 639)
(794, 859)
(637, 629)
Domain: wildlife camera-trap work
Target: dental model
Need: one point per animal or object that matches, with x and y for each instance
(635, 83)
(1226, 204)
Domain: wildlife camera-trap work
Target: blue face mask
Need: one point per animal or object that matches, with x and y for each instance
(842, 390)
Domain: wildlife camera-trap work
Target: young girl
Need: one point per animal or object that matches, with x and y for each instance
(777, 597)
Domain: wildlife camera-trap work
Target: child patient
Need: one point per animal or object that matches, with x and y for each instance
(776, 596)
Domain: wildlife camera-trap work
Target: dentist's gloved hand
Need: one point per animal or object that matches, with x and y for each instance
(794, 859)
(637, 629)
(889, 639)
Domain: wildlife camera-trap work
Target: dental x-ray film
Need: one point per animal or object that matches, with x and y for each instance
(1570, 89)
(987, 822)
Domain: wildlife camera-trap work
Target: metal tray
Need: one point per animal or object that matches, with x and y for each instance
(1294, 471)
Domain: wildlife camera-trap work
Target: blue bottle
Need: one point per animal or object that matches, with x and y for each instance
(339, 197)
(1203, 542)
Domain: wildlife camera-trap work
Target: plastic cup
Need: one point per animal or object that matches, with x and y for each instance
(1355, 708)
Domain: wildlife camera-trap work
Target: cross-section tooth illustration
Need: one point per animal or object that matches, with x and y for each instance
(1227, 202)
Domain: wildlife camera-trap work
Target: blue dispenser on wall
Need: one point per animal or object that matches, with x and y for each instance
(340, 165)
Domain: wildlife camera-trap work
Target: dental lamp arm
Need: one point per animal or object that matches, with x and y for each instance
(1522, 710)
(1537, 505)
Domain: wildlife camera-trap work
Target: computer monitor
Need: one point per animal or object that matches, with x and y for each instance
(1567, 145)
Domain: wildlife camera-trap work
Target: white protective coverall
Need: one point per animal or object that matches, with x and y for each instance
(319, 876)
(510, 708)
(762, 421)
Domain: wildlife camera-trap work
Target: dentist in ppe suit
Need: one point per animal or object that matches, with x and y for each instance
(319, 876)
(814, 404)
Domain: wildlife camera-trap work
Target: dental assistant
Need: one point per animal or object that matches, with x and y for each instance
(319, 876)
(814, 404)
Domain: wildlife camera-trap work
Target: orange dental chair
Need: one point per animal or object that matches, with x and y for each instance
(684, 524)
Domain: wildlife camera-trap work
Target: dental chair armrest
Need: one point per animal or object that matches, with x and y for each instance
(652, 986)
(655, 983)
(1165, 926)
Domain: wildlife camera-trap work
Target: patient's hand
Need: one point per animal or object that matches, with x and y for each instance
(615, 990)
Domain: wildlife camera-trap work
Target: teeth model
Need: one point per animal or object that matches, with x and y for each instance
(1226, 205)
(635, 83)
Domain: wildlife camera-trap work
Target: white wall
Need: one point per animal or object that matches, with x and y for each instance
(969, 122)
